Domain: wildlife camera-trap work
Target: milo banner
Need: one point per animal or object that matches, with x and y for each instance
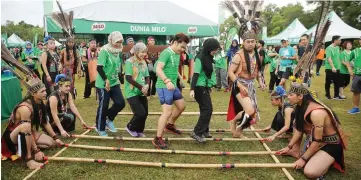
(231, 35)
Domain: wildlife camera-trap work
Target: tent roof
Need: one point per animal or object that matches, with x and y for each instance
(338, 27)
(296, 28)
(159, 12)
(15, 40)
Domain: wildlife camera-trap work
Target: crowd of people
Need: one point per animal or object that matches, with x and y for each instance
(50, 105)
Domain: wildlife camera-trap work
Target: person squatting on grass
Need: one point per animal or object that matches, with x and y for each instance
(136, 89)
(61, 107)
(203, 80)
(167, 71)
(283, 119)
(244, 69)
(21, 136)
(107, 83)
(325, 142)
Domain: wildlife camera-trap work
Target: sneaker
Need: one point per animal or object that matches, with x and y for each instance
(199, 139)
(132, 133)
(110, 125)
(101, 133)
(140, 134)
(171, 128)
(339, 98)
(342, 96)
(159, 143)
(207, 135)
(328, 97)
(354, 110)
(317, 74)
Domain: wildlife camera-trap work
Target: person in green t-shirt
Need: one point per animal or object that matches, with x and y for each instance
(167, 71)
(136, 89)
(107, 83)
(221, 69)
(345, 68)
(332, 68)
(201, 85)
(272, 58)
(356, 79)
(29, 58)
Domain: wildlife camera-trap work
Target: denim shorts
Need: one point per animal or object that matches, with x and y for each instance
(168, 96)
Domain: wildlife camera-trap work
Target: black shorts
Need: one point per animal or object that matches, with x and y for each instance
(285, 74)
(356, 84)
(336, 151)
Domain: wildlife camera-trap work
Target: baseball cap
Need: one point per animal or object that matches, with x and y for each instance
(284, 39)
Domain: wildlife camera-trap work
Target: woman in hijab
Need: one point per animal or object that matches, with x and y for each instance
(107, 83)
(29, 58)
(136, 89)
(202, 81)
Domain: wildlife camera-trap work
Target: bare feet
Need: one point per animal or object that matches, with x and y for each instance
(295, 154)
(239, 135)
(32, 164)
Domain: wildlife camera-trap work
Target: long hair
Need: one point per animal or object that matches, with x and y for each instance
(39, 111)
(248, 63)
(67, 48)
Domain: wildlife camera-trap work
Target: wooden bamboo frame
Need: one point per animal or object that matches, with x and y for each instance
(171, 165)
(216, 153)
(191, 130)
(166, 139)
(288, 175)
(183, 113)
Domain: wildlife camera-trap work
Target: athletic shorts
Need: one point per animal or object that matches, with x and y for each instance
(285, 74)
(168, 96)
(356, 84)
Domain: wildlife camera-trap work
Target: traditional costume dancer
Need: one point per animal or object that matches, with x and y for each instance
(136, 89)
(283, 120)
(107, 83)
(90, 54)
(61, 107)
(203, 80)
(21, 136)
(168, 93)
(244, 68)
(50, 63)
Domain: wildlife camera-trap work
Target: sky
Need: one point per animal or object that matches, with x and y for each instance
(31, 11)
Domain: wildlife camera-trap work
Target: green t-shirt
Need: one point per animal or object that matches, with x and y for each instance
(334, 53)
(24, 57)
(38, 52)
(111, 64)
(356, 59)
(171, 62)
(139, 71)
(203, 80)
(271, 60)
(344, 57)
(220, 59)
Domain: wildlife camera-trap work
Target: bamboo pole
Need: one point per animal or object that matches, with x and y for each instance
(122, 149)
(183, 113)
(57, 154)
(191, 130)
(288, 175)
(166, 139)
(171, 165)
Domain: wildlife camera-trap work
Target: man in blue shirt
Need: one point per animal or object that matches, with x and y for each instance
(287, 55)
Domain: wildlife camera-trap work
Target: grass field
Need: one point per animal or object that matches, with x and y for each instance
(69, 170)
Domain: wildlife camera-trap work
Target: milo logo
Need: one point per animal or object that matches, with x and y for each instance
(192, 30)
(98, 27)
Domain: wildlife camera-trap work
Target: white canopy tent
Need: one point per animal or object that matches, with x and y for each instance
(295, 29)
(15, 41)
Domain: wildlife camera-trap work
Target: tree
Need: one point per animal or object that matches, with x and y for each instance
(225, 26)
(23, 30)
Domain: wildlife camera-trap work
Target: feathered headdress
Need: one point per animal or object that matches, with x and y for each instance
(303, 67)
(65, 21)
(247, 16)
(26, 76)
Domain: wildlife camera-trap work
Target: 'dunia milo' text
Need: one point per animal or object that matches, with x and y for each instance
(147, 29)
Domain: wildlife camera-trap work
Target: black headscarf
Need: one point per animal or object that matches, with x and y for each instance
(205, 56)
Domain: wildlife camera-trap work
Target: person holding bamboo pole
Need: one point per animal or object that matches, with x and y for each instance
(136, 89)
(202, 81)
(283, 120)
(168, 93)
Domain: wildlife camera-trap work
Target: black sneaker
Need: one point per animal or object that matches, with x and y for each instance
(171, 128)
(328, 97)
(207, 135)
(159, 143)
(339, 98)
(199, 139)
